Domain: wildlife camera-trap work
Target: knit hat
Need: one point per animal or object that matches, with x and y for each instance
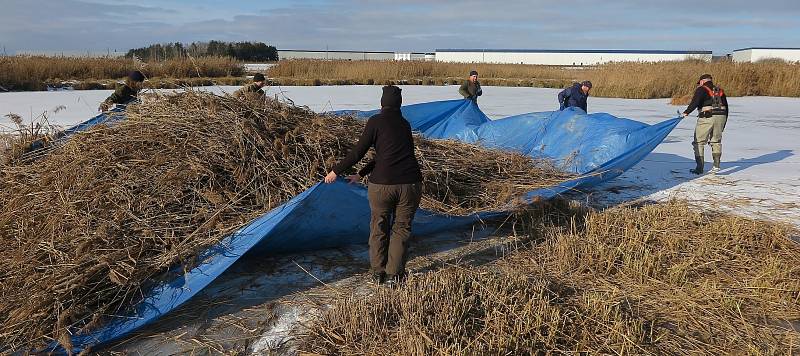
(259, 77)
(136, 76)
(704, 76)
(391, 97)
(474, 72)
(587, 83)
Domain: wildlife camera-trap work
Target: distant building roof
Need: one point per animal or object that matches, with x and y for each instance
(632, 51)
(329, 51)
(748, 48)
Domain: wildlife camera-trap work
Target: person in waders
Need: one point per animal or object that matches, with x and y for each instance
(394, 190)
(712, 105)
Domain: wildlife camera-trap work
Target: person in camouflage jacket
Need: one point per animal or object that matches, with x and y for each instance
(471, 88)
(124, 92)
(256, 87)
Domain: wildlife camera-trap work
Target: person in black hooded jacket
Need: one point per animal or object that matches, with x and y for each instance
(712, 106)
(395, 185)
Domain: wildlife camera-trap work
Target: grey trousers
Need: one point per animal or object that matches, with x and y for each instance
(389, 240)
(709, 130)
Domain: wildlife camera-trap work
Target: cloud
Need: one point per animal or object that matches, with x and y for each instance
(413, 25)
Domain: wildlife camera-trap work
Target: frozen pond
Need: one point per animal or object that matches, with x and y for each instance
(761, 169)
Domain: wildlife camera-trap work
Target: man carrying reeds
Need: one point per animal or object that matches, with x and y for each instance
(471, 88)
(712, 116)
(126, 92)
(395, 186)
(575, 96)
(254, 88)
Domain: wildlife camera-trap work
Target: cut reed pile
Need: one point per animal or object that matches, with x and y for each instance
(658, 279)
(19, 73)
(85, 226)
(616, 80)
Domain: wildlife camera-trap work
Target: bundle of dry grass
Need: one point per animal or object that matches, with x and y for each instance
(461, 179)
(85, 226)
(659, 279)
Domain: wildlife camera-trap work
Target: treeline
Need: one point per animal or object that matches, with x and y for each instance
(243, 51)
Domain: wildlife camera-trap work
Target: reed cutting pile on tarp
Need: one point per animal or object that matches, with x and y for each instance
(84, 227)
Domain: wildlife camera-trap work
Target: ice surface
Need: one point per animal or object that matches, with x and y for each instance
(761, 167)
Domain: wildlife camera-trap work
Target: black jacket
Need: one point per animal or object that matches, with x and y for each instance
(394, 162)
(701, 99)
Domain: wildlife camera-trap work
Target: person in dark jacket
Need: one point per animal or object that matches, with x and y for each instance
(712, 106)
(575, 96)
(395, 185)
(471, 88)
(254, 88)
(126, 92)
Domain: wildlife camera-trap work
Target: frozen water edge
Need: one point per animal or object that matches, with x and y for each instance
(760, 177)
(761, 167)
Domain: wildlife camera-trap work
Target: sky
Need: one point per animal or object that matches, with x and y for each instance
(81, 26)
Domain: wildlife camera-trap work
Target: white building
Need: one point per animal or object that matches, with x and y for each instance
(409, 56)
(342, 55)
(755, 54)
(564, 57)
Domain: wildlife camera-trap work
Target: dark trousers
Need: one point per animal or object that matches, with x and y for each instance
(392, 209)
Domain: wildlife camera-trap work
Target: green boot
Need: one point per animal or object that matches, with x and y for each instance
(699, 168)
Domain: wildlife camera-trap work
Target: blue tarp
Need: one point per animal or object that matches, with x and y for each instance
(599, 147)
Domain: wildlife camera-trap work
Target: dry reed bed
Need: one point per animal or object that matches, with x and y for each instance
(658, 279)
(84, 227)
(36, 72)
(17, 141)
(619, 80)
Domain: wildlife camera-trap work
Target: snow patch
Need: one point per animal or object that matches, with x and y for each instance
(276, 337)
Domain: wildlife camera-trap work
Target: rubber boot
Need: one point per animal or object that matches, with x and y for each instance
(717, 157)
(699, 168)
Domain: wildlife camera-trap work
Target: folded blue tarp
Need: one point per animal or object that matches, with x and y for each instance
(598, 147)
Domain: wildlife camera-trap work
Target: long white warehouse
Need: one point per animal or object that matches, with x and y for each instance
(564, 57)
(323, 54)
(755, 54)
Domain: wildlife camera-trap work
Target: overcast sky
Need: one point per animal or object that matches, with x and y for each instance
(409, 25)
